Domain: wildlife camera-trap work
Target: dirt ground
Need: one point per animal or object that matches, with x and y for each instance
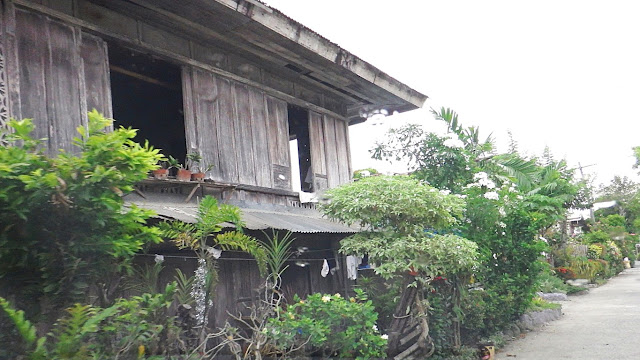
(603, 324)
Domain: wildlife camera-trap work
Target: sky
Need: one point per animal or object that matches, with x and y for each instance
(563, 74)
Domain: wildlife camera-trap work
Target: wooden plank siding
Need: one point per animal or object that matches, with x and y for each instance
(10, 44)
(61, 72)
(330, 140)
(333, 171)
(278, 126)
(236, 128)
(260, 138)
(226, 132)
(201, 117)
(243, 135)
(57, 73)
(4, 96)
(342, 147)
(95, 65)
(318, 153)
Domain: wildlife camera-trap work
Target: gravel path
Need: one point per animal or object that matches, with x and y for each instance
(603, 324)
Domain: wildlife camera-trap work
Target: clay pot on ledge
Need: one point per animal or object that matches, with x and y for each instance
(183, 175)
(161, 174)
(199, 176)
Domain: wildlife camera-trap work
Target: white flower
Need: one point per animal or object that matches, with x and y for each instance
(453, 143)
(445, 192)
(502, 212)
(375, 328)
(337, 295)
(158, 259)
(214, 252)
(502, 225)
(480, 175)
(492, 195)
(385, 336)
(495, 256)
(326, 298)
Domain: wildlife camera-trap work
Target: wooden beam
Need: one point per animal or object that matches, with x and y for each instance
(145, 78)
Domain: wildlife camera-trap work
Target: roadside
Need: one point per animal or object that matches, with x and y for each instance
(603, 324)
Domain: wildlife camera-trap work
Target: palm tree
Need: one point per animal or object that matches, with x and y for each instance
(207, 239)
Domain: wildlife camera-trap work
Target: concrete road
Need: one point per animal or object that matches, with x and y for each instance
(603, 324)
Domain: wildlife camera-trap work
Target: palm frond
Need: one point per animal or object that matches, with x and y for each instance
(234, 240)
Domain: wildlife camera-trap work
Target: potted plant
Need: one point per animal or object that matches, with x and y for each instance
(166, 164)
(163, 172)
(194, 160)
(183, 174)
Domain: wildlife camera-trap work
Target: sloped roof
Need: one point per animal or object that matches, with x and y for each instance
(263, 33)
(256, 217)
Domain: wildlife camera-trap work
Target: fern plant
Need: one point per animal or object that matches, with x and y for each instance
(32, 344)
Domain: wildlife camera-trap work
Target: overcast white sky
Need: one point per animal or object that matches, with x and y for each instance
(560, 73)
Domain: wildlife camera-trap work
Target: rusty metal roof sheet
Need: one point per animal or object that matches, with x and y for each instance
(256, 217)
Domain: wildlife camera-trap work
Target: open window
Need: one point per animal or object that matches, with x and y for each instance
(300, 147)
(146, 94)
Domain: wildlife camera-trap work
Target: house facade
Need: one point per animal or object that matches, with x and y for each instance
(264, 100)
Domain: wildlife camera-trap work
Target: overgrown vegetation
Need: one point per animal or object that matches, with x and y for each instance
(64, 227)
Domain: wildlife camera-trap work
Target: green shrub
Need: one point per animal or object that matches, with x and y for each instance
(329, 325)
(598, 236)
(565, 273)
(129, 329)
(64, 225)
(539, 304)
(549, 282)
(595, 251)
(614, 220)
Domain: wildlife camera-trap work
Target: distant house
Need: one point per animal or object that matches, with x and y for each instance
(235, 80)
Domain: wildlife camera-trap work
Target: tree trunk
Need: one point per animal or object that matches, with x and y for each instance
(409, 330)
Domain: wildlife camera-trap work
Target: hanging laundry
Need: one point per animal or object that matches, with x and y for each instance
(325, 268)
(352, 266)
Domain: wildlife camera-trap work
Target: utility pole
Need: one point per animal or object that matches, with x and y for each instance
(591, 214)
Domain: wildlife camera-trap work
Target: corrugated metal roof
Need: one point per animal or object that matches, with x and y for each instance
(270, 217)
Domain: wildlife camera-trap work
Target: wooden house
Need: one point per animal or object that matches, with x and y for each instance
(235, 80)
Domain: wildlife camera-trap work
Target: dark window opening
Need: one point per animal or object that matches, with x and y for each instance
(299, 132)
(147, 95)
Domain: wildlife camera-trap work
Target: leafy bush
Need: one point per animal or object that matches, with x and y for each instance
(130, 329)
(598, 236)
(550, 281)
(64, 225)
(565, 273)
(595, 251)
(614, 220)
(329, 325)
(506, 233)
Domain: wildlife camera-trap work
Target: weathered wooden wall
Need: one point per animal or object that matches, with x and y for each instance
(239, 278)
(4, 95)
(240, 129)
(330, 159)
(61, 74)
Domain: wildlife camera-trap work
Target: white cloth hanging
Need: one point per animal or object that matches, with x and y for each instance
(352, 266)
(325, 268)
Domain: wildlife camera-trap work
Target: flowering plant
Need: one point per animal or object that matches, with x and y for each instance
(565, 273)
(329, 325)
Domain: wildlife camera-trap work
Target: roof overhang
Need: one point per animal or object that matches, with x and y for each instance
(252, 28)
(255, 217)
